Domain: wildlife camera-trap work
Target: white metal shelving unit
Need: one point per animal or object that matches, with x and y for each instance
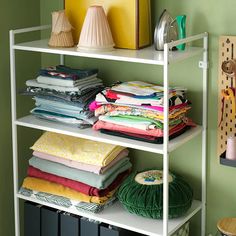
(115, 214)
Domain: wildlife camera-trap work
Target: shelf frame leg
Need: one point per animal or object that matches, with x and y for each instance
(14, 132)
(204, 133)
(166, 143)
(62, 60)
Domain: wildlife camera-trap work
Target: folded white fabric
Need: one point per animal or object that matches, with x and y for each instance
(140, 88)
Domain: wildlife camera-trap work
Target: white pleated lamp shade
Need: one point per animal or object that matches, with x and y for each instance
(96, 34)
(61, 35)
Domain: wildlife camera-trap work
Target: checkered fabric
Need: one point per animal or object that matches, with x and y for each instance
(184, 231)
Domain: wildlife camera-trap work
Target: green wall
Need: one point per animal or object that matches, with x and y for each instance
(13, 14)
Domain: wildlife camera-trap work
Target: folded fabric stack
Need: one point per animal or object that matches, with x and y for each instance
(75, 173)
(135, 110)
(63, 94)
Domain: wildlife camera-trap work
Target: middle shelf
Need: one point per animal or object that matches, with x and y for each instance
(36, 123)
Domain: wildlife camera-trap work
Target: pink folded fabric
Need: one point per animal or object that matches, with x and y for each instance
(78, 186)
(161, 108)
(80, 165)
(154, 132)
(94, 105)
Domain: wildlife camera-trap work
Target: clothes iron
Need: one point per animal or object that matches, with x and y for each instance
(168, 30)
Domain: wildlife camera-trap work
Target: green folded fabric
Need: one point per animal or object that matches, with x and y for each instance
(133, 120)
(89, 178)
(142, 194)
(138, 120)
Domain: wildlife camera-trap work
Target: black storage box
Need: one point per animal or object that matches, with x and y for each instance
(88, 228)
(69, 224)
(105, 230)
(31, 219)
(49, 222)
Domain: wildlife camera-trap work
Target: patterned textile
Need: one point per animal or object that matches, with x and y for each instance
(68, 83)
(66, 73)
(126, 100)
(79, 90)
(140, 88)
(85, 97)
(137, 121)
(159, 109)
(135, 110)
(114, 110)
(184, 231)
(66, 202)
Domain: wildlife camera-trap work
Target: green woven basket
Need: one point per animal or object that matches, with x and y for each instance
(142, 194)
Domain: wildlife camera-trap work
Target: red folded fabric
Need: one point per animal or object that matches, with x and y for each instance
(78, 186)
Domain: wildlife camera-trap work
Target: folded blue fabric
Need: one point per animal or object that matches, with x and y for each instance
(82, 122)
(62, 108)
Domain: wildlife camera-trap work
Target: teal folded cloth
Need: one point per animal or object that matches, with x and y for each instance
(89, 178)
(138, 122)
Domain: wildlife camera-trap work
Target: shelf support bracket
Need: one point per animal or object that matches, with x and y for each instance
(203, 65)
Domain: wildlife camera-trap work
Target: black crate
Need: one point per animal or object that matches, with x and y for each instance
(49, 222)
(32, 213)
(89, 228)
(69, 224)
(105, 230)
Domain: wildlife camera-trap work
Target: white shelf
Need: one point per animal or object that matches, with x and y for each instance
(36, 123)
(116, 215)
(146, 56)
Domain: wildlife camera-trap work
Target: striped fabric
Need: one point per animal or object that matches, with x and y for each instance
(66, 202)
(184, 231)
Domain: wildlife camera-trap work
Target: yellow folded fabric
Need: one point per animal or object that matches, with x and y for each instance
(41, 185)
(77, 149)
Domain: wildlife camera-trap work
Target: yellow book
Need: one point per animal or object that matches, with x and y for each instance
(130, 21)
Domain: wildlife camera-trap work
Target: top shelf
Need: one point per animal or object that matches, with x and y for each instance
(145, 56)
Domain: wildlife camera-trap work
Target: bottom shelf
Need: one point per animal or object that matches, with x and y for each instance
(117, 216)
